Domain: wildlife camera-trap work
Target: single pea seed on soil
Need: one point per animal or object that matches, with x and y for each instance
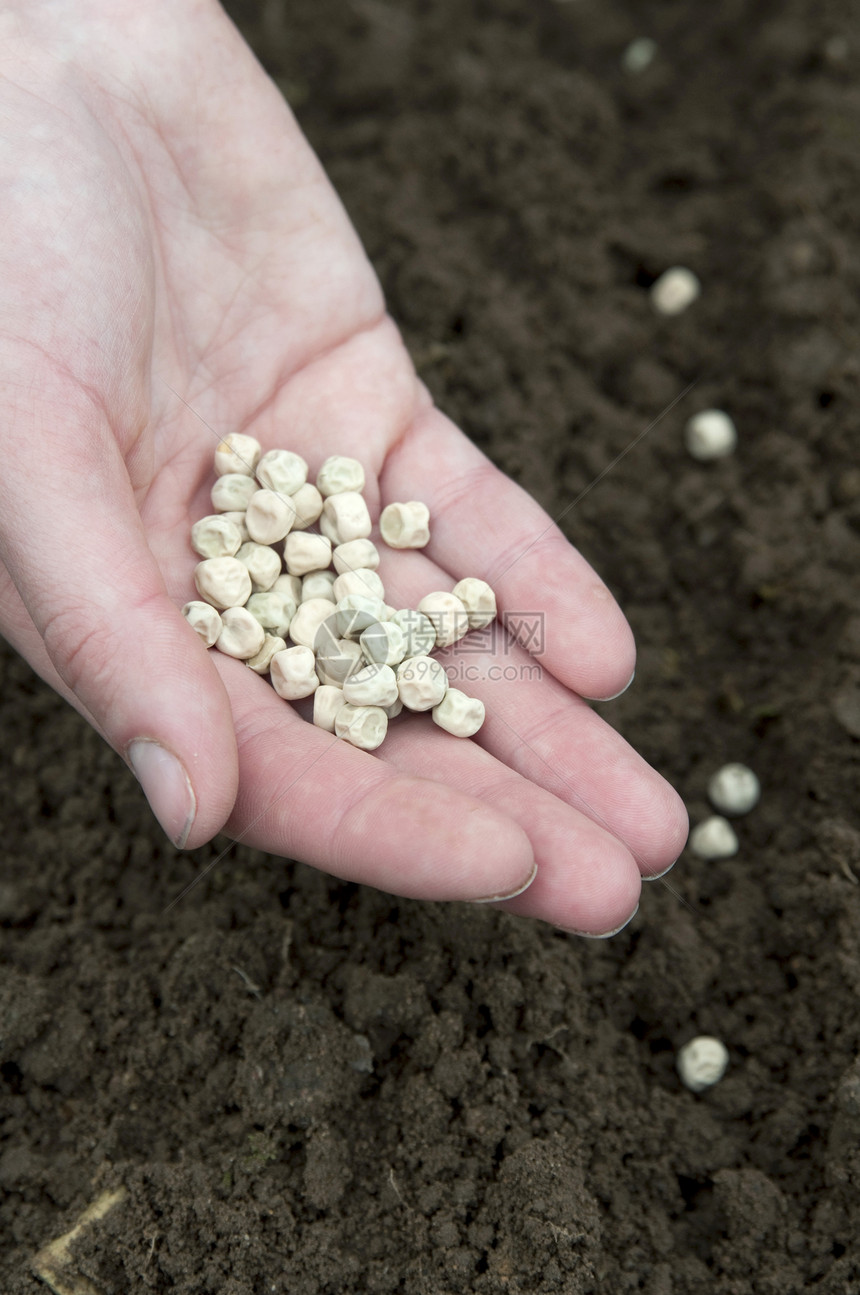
(639, 54)
(675, 290)
(710, 434)
(702, 1062)
(734, 789)
(320, 632)
(714, 839)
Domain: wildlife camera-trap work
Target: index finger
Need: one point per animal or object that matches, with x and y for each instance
(483, 524)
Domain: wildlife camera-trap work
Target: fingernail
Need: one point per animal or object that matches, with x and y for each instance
(619, 693)
(655, 876)
(166, 785)
(511, 894)
(604, 935)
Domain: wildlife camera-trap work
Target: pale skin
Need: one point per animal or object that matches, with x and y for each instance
(175, 266)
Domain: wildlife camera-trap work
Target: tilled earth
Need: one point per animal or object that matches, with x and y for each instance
(312, 1088)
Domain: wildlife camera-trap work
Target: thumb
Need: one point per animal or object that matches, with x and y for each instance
(74, 545)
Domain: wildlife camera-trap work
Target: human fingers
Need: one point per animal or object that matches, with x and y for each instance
(483, 524)
(587, 880)
(72, 542)
(548, 734)
(308, 795)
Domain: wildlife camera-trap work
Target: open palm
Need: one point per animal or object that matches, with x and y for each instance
(176, 266)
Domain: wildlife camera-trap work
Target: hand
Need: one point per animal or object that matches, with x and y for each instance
(176, 266)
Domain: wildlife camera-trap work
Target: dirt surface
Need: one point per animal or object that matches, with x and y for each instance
(309, 1087)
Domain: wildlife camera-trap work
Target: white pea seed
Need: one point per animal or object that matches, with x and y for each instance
(273, 610)
(304, 552)
(362, 726)
(241, 635)
(459, 714)
(309, 505)
(375, 685)
(421, 683)
(326, 637)
(238, 519)
(639, 54)
(263, 564)
(282, 471)
(448, 616)
(365, 583)
(714, 839)
(418, 632)
(327, 702)
(262, 662)
(232, 492)
(269, 516)
(204, 620)
(318, 584)
(383, 643)
(291, 585)
(405, 526)
(338, 475)
(394, 709)
(355, 555)
(710, 434)
(308, 619)
(223, 582)
(213, 537)
(345, 517)
(478, 599)
(356, 612)
(339, 661)
(734, 789)
(293, 673)
(237, 453)
(702, 1062)
(675, 290)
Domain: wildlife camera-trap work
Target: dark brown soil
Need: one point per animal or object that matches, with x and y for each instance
(311, 1088)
